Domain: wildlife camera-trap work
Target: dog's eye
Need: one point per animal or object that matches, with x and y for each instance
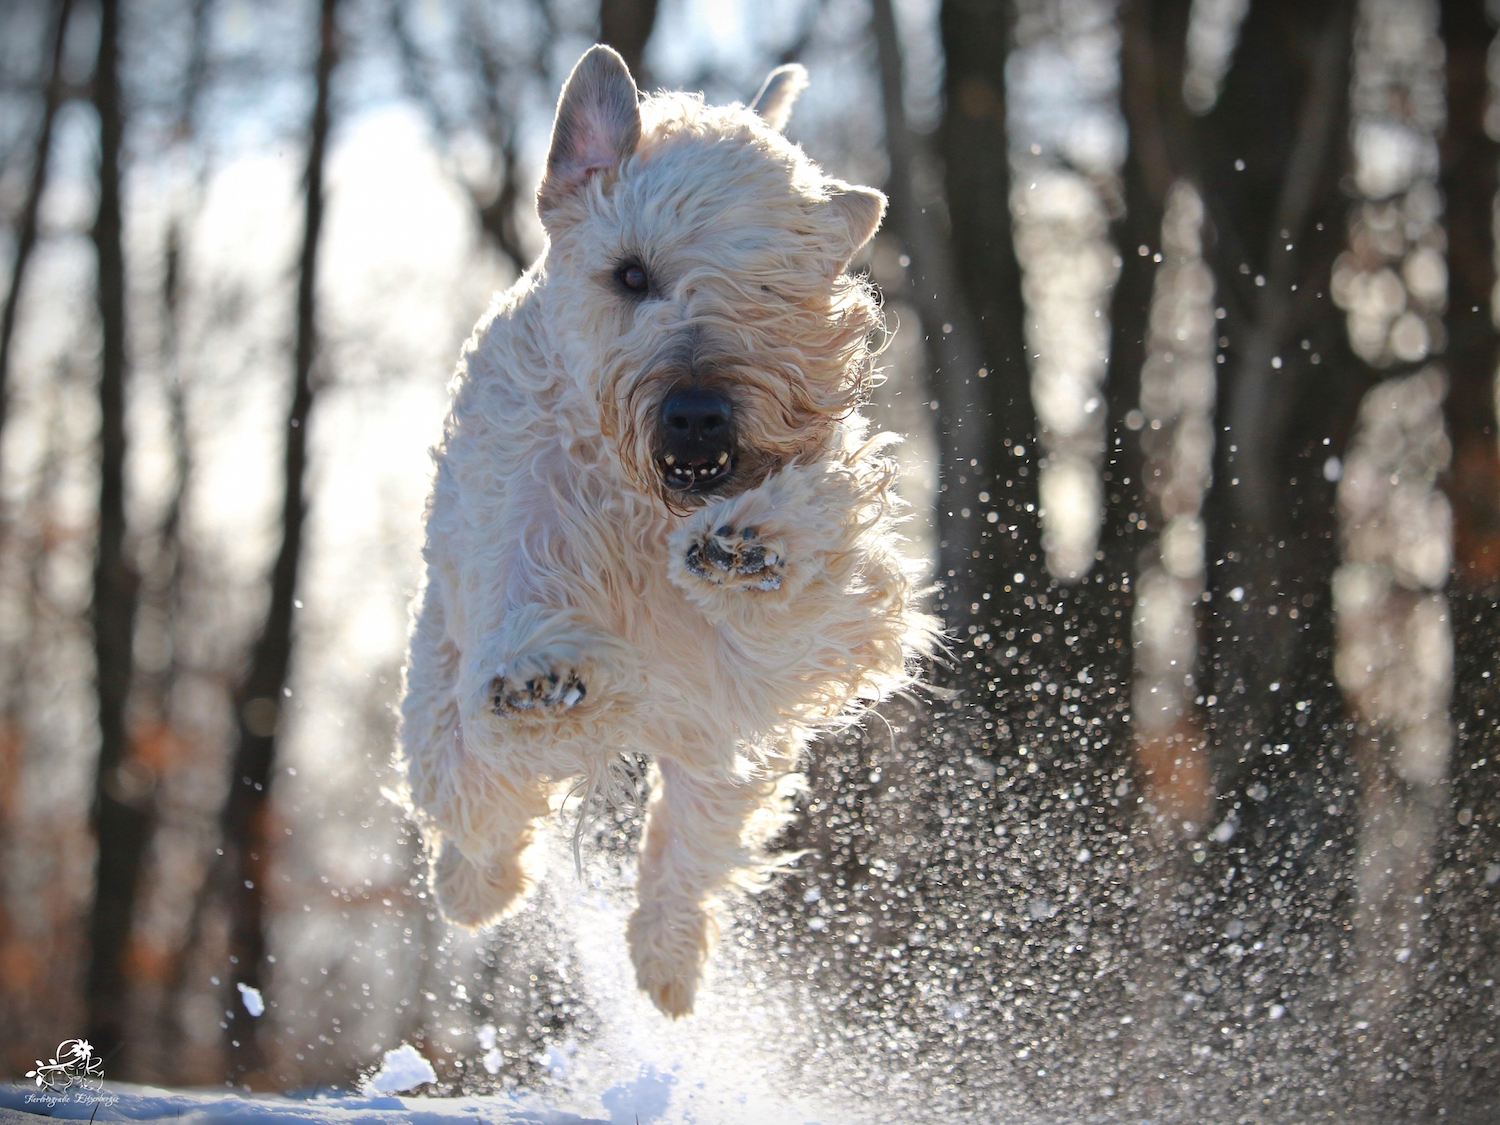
(632, 275)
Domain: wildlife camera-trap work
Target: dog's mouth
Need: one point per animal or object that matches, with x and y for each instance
(695, 474)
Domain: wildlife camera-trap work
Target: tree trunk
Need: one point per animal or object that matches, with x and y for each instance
(951, 344)
(626, 26)
(1152, 36)
(1469, 174)
(1463, 923)
(246, 818)
(1272, 155)
(26, 225)
(122, 791)
(975, 150)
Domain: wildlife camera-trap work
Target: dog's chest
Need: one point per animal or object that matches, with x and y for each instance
(552, 518)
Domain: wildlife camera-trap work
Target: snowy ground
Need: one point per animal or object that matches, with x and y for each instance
(123, 1102)
(645, 1100)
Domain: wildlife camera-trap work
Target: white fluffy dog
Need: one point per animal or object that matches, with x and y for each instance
(657, 524)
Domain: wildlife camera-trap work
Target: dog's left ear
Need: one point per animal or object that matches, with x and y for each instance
(598, 125)
(855, 213)
(777, 95)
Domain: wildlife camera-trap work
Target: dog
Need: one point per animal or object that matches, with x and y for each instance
(658, 524)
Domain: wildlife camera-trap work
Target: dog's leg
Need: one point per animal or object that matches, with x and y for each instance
(702, 834)
(478, 823)
(480, 872)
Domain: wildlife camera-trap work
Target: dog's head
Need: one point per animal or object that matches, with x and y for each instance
(697, 262)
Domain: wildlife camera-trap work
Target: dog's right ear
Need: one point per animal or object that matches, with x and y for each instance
(855, 214)
(598, 125)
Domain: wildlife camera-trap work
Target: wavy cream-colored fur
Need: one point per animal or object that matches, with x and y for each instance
(554, 549)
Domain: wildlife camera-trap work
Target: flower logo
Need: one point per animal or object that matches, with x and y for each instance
(75, 1064)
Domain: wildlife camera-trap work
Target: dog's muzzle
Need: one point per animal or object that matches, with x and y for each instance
(697, 439)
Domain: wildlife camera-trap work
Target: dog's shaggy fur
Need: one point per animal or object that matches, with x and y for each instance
(589, 597)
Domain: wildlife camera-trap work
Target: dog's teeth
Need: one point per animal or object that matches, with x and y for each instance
(723, 457)
(670, 460)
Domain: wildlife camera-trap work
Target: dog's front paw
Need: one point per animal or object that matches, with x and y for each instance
(551, 688)
(737, 558)
(545, 667)
(669, 946)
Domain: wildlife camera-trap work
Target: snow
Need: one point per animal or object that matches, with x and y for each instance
(402, 1069)
(252, 999)
(120, 1101)
(643, 1100)
(492, 1058)
(639, 1101)
(1224, 832)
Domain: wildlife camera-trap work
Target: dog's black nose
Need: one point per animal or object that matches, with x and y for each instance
(696, 438)
(694, 414)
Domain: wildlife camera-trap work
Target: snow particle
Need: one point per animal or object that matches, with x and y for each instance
(251, 998)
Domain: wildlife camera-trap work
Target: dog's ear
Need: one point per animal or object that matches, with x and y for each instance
(598, 125)
(855, 213)
(776, 97)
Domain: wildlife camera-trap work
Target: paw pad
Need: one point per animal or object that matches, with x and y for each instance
(738, 558)
(547, 690)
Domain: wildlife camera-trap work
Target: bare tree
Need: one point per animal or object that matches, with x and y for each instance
(626, 26)
(1270, 160)
(974, 144)
(497, 68)
(1470, 159)
(246, 816)
(496, 71)
(1268, 157)
(947, 328)
(26, 227)
(121, 815)
(1152, 36)
(34, 543)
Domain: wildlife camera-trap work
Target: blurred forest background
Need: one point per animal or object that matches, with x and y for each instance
(1196, 352)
